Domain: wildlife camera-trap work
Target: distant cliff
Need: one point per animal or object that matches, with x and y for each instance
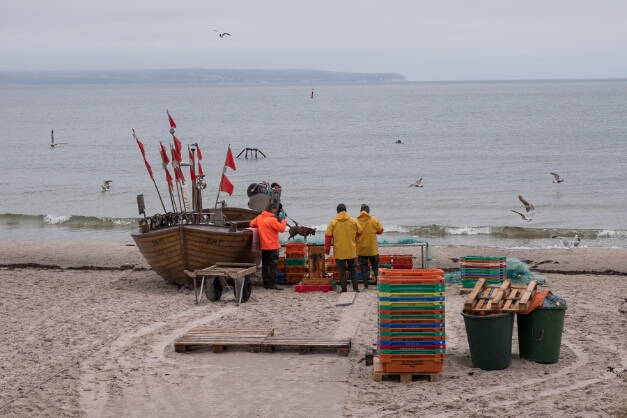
(192, 75)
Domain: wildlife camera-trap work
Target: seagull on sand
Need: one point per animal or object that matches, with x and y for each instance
(568, 244)
(52, 143)
(105, 185)
(525, 217)
(417, 183)
(528, 206)
(557, 178)
(222, 34)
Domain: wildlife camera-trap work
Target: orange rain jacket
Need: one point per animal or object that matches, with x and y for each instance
(343, 229)
(367, 243)
(269, 227)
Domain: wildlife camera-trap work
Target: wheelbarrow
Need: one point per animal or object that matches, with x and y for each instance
(234, 276)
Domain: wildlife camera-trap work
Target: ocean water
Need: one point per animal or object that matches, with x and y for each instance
(476, 146)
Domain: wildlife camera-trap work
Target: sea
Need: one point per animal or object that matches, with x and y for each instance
(476, 146)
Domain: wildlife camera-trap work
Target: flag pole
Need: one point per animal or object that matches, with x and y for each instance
(151, 176)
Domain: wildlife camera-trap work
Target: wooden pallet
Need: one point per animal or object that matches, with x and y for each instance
(219, 339)
(306, 345)
(505, 297)
(257, 340)
(379, 374)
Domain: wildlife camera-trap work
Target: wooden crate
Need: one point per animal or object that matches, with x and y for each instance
(506, 297)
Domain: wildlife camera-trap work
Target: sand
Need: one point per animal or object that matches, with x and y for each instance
(88, 330)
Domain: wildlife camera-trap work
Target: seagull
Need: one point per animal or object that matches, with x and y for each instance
(105, 185)
(525, 217)
(398, 141)
(557, 178)
(222, 34)
(417, 183)
(528, 206)
(568, 244)
(52, 143)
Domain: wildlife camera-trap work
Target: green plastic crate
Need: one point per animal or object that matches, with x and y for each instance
(411, 288)
(470, 283)
(295, 261)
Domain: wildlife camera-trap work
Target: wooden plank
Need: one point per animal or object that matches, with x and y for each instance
(379, 374)
(469, 304)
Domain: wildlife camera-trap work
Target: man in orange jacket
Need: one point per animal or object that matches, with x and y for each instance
(343, 230)
(269, 226)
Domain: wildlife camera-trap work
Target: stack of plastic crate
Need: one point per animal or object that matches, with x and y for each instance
(475, 267)
(412, 337)
(280, 277)
(295, 261)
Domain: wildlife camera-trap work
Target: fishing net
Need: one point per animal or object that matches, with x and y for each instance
(517, 271)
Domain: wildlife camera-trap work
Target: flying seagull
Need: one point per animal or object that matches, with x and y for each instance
(525, 217)
(557, 178)
(566, 242)
(52, 143)
(222, 34)
(528, 206)
(105, 185)
(417, 183)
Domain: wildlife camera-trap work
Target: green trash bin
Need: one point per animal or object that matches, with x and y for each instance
(490, 340)
(540, 334)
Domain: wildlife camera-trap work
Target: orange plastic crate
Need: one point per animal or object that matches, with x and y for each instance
(296, 246)
(411, 272)
(294, 277)
(296, 269)
(412, 363)
(295, 254)
(385, 258)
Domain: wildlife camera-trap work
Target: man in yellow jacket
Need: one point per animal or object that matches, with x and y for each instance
(343, 230)
(269, 226)
(367, 245)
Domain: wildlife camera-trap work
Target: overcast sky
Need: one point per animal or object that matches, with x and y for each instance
(423, 40)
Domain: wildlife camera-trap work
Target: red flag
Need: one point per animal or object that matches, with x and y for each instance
(143, 151)
(172, 124)
(164, 156)
(230, 162)
(180, 174)
(149, 168)
(192, 175)
(200, 173)
(199, 154)
(141, 148)
(168, 178)
(177, 145)
(226, 185)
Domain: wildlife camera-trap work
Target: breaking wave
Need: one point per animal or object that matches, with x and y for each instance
(13, 220)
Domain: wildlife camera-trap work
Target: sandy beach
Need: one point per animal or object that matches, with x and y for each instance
(88, 330)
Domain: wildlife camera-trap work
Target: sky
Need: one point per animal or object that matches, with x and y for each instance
(423, 40)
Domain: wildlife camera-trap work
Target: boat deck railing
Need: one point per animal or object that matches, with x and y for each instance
(170, 219)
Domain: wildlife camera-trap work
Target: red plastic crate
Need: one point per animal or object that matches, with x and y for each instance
(303, 288)
(296, 269)
(295, 254)
(402, 259)
(294, 277)
(397, 266)
(411, 280)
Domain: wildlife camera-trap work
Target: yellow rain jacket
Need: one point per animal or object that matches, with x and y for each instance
(344, 230)
(367, 243)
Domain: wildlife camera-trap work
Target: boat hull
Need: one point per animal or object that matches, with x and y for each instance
(171, 250)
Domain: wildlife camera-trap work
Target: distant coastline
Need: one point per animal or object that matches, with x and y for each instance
(190, 76)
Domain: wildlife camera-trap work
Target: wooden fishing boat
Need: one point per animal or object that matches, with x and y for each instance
(192, 237)
(171, 249)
